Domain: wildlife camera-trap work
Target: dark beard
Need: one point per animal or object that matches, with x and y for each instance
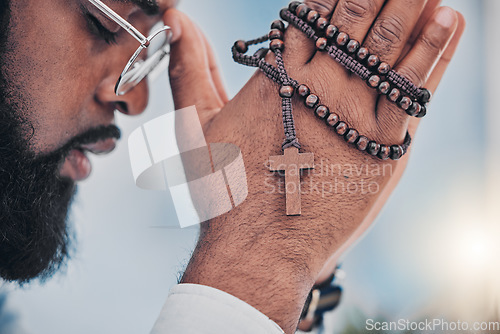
(34, 204)
(35, 239)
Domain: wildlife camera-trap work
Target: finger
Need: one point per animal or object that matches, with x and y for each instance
(215, 71)
(190, 73)
(392, 29)
(429, 9)
(355, 17)
(303, 54)
(445, 60)
(441, 67)
(418, 65)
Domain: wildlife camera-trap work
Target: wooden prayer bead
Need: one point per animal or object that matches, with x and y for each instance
(303, 91)
(293, 5)
(332, 120)
(384, 68)
(342, 39)
(341, 128)
(414, 110)
(276, 34)
(277, 44)
(384, 88)
(362, 54)
(362, 143)
(373, 148)
(424, 96)
(321, 43)
(321, 24)
(405, 103)
(351, 136)
(287, 91)
(241, 46)
(322, 111)
(396, 152)
(331, 31)
(278, 24)
(394, 95)
(384, 153)
(374, 81)
(302, 10)
(423, 112)
(312, 17)
(352, 46)
(312, 101)
(284, 14)
(373, 61)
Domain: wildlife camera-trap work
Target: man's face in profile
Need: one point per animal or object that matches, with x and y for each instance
(59, 62)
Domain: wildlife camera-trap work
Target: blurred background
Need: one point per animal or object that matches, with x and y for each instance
(433, 253)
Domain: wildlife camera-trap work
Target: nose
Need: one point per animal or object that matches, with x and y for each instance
(134, 102)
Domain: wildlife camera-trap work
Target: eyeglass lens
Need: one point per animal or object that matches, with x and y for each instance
(146, 61)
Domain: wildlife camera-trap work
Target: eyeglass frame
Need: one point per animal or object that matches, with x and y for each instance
(145, 41)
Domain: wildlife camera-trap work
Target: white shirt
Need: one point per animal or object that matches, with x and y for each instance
(198, 309)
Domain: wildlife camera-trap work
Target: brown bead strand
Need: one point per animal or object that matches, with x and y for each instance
(350, 135)
(372, 70)
(290, 87)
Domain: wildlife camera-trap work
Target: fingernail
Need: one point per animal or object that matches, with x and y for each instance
(446, 17)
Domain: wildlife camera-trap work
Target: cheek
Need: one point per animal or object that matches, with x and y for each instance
(54, 70)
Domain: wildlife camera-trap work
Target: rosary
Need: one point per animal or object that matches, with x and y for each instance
(355, 58)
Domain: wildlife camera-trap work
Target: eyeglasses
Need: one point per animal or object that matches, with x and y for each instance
(144, 62)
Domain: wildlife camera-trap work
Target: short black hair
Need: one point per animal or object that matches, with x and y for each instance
(4, 25)
(4, 15)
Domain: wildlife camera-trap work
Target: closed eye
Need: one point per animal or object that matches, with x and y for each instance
(96, 27)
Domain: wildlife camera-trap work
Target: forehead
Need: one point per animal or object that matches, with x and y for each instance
(151, 7)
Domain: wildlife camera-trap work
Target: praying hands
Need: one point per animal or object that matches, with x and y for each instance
(257, 252)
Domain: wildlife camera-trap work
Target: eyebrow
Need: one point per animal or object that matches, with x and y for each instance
(150, 7)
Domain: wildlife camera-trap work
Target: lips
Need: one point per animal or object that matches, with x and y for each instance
(100, 147)
(77, 165)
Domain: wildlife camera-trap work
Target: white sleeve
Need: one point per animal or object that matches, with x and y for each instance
(198, 309)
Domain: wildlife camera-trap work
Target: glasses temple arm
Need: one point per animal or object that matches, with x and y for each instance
(120, 21)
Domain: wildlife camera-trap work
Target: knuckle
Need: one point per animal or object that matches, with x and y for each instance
(358, 9)
(433, 42)
(177, 72)
(390, 121)
(413, 72)
(388, 30)
(323, 7)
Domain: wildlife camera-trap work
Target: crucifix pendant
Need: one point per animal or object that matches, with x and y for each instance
(292, 162)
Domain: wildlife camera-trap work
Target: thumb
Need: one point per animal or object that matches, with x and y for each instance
(194, 76)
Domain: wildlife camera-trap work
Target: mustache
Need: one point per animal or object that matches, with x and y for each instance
(90, 136)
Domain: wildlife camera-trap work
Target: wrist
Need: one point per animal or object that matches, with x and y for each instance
(267, 273)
